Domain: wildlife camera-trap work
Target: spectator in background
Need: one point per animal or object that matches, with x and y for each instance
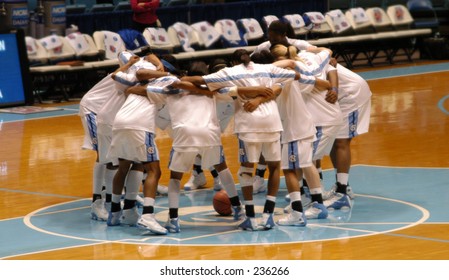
(144, 14)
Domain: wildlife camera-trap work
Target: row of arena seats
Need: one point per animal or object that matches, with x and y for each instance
(356, 35)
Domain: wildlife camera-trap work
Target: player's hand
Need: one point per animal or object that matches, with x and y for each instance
(333, 61)
(266, 92)
(133, 59)
(251, 105)
(331, 96)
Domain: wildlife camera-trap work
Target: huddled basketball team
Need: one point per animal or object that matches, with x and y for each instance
(292, 105)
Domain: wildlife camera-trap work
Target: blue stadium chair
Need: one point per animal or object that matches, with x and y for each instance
(123, 6)
(97, 8)
(423, 14)
(75, 9)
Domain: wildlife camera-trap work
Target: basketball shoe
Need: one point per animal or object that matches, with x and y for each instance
(195, 181)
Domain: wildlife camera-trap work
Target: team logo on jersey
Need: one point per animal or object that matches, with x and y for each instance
(292, 158)
(95, 141)
(241, 152)
(150, 150)
(353, 127)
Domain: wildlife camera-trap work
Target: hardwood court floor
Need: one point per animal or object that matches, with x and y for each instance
(42, 165)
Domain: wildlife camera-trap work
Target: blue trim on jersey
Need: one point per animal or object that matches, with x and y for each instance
(353, 120)
(306, 81)
(124, 81)
(315, 71)
(91, 120)
(293, 155)
(151, 148)
(249, 76)
(242, 152)
(157, 86)
(172, 151)
(222, 156)
(319, 135)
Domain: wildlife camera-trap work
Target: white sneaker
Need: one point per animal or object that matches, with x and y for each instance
(328, 194)
(259, 185)
(288, 209)
(130, 216)
(295, 218)
(98, 211)
(238, 213)
(195, 181)
(267, 221)
(249, 224)
(114, 218)
(316, 211)
(162, 190)
(217, 184)
(139, 201)
(172, 225)
(338, 201)
(148, 222)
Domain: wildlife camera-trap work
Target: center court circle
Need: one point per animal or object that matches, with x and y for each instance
(201, 225)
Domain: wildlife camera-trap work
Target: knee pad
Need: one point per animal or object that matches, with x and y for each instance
(245, 178)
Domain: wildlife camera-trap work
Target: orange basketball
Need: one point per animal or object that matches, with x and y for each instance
(222, 204)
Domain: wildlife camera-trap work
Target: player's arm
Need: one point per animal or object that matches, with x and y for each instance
(252, 104)
(133, 59)
(146, 74)
(153, 59)
(332, 93)
(196, 80)
(137, 89)
(253, 92)
(185, 85)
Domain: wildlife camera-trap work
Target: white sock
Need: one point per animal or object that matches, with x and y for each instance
(174, 186)
(98, 176)
(133, 182)
(343, 178)
(108, 178)
(228, 182)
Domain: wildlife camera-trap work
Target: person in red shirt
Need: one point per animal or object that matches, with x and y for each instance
(144, 14)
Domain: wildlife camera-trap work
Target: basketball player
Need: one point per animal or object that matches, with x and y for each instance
(354, 97)
(133, 142)
(194, 132)
(257, 125)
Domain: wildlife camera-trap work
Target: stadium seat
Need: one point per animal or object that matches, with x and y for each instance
(266, 20)
(359, 21)
(298, 25)
(424, 15)
(98, 8)
(58, 49)
(123, 6)
(230, 34)
(184, 37)
(75, 9)
(338, 23)
(37, 54)
(209, 37)
(317, 24)
(159, 40)
(251, 31)
(109, 44)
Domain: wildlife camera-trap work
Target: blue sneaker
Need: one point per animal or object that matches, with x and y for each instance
(338, 201)
(316, 211)
(238, 212)
(114, 218)
(267, 221)
(249, 224)
(172, 225)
